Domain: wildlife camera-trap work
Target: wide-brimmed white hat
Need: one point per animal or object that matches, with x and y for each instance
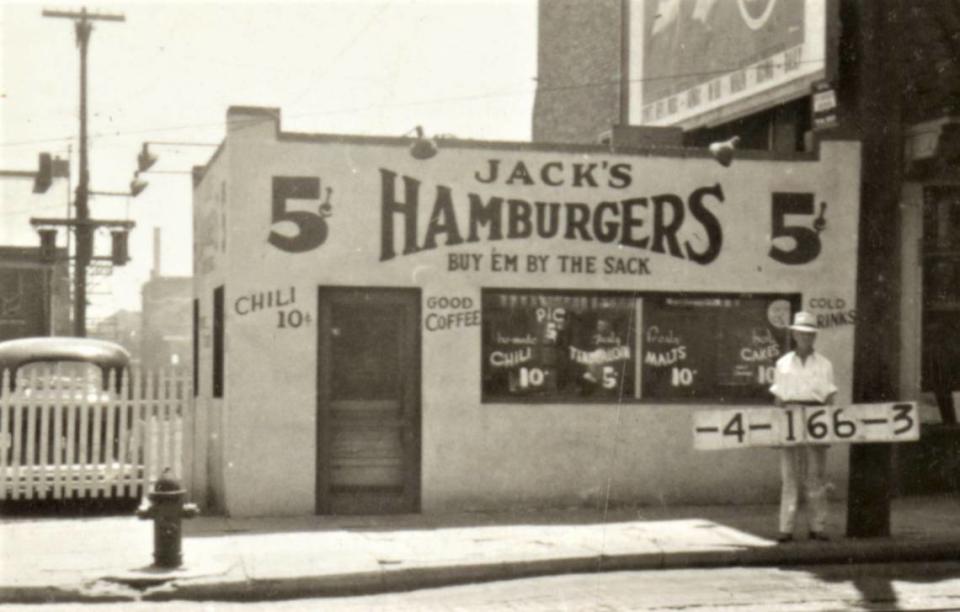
(805, 322)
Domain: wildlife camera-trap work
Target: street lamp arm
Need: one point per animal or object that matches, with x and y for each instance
(83, 15)
(110, 193)
(146, 159)
(18, 174)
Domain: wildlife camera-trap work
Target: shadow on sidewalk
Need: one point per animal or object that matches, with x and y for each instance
(931, 517)
(67, 508)
(875, 581)
(919, 517)
(759, 521)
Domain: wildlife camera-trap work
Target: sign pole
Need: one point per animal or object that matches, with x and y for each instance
(870, 97)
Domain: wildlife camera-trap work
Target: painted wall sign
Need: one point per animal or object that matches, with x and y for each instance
(804, 241)
(452, 312)
(533, 212)
(311, 227)
(555, 173)
(531, 263)
(263, 300)
(832, 312)
(277, 300)
(660, 223)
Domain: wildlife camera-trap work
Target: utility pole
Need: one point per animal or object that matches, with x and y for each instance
(871, 97)
(83, 26)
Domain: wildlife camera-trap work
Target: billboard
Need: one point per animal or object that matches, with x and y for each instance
(700, 62)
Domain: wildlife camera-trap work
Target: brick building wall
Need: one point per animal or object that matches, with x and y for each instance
(930, 51)
(34, 294)
(578, 74)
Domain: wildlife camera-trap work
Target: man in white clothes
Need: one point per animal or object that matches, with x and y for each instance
(803, 377)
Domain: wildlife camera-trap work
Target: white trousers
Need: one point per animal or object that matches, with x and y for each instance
(806, 466)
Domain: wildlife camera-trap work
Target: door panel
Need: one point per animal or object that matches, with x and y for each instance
(365, 348)
(368, 401)
(367, 447)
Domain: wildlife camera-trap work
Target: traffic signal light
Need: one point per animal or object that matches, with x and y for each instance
(48, 245)
(145, 159)
(118, 252)
(61, 168)
(44, 177)
(84, 243)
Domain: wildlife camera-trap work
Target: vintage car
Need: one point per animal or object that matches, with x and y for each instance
(52, 350)
(61, 419)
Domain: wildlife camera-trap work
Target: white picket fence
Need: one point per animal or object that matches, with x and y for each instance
(64, 435)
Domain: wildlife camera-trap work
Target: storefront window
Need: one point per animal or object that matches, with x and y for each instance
(601, 346)
(550, 345)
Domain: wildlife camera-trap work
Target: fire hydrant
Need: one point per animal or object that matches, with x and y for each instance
(167, 509)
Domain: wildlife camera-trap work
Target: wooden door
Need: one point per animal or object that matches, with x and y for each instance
(368, 425)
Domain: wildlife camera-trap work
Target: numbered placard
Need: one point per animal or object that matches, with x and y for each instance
(893, 422)
(722, 429)
(791, 425)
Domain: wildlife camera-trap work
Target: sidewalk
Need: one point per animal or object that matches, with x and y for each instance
(107, 559)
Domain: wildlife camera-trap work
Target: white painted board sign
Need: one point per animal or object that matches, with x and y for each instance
(791, 425)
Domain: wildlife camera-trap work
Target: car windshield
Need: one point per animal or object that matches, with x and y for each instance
(68, 378)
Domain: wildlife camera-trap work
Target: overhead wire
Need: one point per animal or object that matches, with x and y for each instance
(415, 103)
(374, 16)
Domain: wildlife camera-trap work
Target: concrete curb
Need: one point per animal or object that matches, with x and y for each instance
(886, 550)
(59, 594)
(235, 587)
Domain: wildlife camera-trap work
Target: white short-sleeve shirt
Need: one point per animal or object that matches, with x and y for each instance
(803, 381)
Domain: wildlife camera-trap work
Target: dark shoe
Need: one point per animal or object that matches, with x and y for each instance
(819, 536)
(783, 538)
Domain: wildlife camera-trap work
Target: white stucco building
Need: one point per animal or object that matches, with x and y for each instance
(500, 324)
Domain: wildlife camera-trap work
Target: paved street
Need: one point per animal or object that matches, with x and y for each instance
(917, 586)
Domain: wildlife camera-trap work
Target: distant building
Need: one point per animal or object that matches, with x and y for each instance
(34, 295)
(166, 339)
(122, 327)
